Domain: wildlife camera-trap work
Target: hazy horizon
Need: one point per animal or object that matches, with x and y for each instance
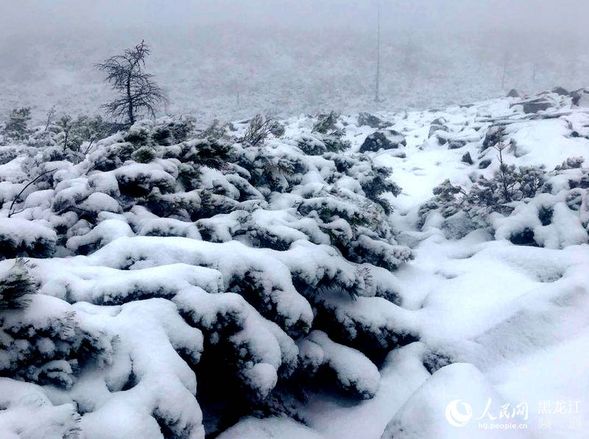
(229, 58)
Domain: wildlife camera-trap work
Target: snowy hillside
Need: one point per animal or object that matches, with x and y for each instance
(398, 275)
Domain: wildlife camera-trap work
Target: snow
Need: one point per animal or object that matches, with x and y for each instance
(523, 333)
(352, 368)
(27, 413)
(448, 405)
(25, 233)
(284, 428)
(287, 269)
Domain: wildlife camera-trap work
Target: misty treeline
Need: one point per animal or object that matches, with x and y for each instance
(237, 68)
(137, 95)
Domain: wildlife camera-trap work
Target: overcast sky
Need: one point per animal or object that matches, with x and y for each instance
(19, 16)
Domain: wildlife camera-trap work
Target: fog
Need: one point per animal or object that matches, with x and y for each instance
(228, 58)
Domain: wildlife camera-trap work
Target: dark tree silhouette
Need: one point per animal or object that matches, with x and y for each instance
(137, 92)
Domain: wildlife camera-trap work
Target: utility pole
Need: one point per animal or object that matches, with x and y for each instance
(377, 85)
(505, 64)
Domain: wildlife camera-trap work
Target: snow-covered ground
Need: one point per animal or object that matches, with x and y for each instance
(514, 319)
(442, 322)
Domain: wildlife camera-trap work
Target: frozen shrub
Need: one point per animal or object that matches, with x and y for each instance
(201, 259)
(15, 287)
(171, 132)
(277, 129)
(138, 134)
(327, 132)
(7, 154)
(326, 123)
(216, 130)
(26, 411)
(43, 343)
(145, 154)
(75, 136)
(486, 196)
(17, 125)
(259, 128)
(571, 163)
(467, 158)
(338, 365)
(20, 237)
(335, 143)
(312, 145)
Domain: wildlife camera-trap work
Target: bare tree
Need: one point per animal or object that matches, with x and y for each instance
(137, 91)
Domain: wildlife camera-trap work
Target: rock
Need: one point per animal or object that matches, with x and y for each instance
(458, 225)
(561, 91)
(372, 121)
(466, 158)
(513, 93)
(580, 98)
(493, 137)
(536, 105)
(456, 144)
(383, 140)
(484, 164)
(576, 96)
(442, 140)
(438, 124)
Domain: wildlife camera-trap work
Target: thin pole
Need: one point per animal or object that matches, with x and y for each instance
(377, 85)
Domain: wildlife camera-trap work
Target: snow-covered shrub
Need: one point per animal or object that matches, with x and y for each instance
(259, 128)
(338, 365)
(216, 130)
(571, 163)
(312, 145)
(485, 196)
(17, 126)
(27, 412)
(15, 287)
(202, 258)
(69, 138)
(326, 123)
(19, 237)
(173, 131)
(43, 341)
(526, 205)
(555, 219)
